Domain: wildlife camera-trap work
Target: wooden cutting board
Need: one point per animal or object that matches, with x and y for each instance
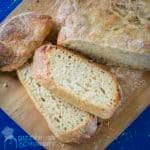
(15, 101)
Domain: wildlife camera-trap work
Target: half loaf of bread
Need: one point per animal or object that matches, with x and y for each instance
(116, 30)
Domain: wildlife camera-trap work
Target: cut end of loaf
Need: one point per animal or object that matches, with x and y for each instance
(109, 55)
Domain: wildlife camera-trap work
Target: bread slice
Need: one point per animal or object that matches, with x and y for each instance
(84, 84)
(116, 30)
(20, 36)
(68, 123)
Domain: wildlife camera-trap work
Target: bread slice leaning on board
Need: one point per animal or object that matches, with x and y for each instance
(116, 30)
(20, 36)
(84, 84)
(68, 124)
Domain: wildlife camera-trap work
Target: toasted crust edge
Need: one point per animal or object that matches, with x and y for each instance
(43, 76)
(78, 135)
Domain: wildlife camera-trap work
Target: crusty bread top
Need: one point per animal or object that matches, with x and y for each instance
(120, 24)
(20, 36)
(68, 123)
(85, 84)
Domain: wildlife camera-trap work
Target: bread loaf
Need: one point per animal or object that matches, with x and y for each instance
(116, 30)
(20, 36)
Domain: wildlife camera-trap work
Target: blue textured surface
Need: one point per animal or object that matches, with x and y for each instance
(135, 137)
(13, 137)
(6, 6)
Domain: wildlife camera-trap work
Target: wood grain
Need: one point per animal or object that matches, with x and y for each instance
(15, 101)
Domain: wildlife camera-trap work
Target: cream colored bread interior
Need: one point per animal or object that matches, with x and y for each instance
(109, 54)
(92, 84)
(61, 117)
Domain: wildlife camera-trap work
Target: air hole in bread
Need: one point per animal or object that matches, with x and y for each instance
(58, 56)
(116, 29)
(103, 91)
(81, 119)
(60, 116)
(65, 128)
(57, 119)
(42, 99)
(38, 84)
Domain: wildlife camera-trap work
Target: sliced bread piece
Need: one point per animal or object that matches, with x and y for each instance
(67, 123)
(78, 81)
(20, 36)
(116, 30)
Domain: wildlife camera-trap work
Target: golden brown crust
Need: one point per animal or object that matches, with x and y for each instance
(106, 22)
(43, 75)
(20, 36)
(79, 134)
(114, 26)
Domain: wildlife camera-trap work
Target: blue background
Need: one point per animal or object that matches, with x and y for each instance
(28, 144)
(135, 137)
(6, 6)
